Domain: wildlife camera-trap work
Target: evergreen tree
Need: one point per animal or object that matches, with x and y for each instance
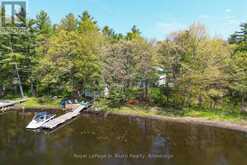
(87, 23)
(69, 23)
(240, 38)
(134, 34)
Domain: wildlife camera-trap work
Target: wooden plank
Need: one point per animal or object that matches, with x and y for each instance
(61, 126)
(5, 103)
(63, 118)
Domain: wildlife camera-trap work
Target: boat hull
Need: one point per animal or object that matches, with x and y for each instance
(35, 125)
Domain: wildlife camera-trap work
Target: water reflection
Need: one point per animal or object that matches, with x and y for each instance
(160, 145)
(95, 139)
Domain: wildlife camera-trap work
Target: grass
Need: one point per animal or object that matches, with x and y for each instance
(42, 102)
(219, 115)
(226, 114)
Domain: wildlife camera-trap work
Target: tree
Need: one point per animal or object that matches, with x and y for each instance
(207, 73)
(128, 64)
(134, 33)
(43, 29)
(238, 81)
(145, 57)
(108, 32)
(238, 65)
(87, 23)
(69, 23)
(72, 60)
(119, 64)
(196, 65)
(17, 49)
(240, 38)
(111, 35)
(43, 23)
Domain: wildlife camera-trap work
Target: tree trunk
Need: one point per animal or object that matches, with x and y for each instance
(32, 89)
(200, 100)
(2, 91)
(243, 108)
(146, 90)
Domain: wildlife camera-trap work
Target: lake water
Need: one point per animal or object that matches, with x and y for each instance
(118, 140)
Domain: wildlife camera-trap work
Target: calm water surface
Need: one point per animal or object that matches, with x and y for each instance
(118, 140)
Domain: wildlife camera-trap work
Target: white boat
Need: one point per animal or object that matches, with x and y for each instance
(39, 119)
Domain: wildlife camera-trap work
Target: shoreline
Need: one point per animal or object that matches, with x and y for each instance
(241, 127)
(181, 120)
(18, 108)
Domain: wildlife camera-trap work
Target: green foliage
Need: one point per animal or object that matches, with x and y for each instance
(76, 55)
(42, 102)
(192, 112)
(240, 38)
(238, 66)
(70, 62)
(117, 97)
(42, 23)
(239, 72)
(157, 97)
(111, 36)
(197, 67)
(87, 23)
(134, 34)
(69, 23)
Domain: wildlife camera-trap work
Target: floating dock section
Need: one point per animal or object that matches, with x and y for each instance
(52, 124)
(4, 105)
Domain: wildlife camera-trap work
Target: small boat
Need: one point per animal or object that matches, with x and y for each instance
(70, 104)
(85, 104)
(39, 119)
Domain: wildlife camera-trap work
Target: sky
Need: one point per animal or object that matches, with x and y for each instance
(155, 18)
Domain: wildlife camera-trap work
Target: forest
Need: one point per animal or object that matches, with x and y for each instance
(76, 55)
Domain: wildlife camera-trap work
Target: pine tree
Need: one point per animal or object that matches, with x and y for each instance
(87, 23)
(69, 23)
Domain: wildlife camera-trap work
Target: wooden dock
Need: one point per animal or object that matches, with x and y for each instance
(4, 104)
(54, 123)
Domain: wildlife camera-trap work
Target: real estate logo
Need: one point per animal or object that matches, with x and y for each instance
(13, 16)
